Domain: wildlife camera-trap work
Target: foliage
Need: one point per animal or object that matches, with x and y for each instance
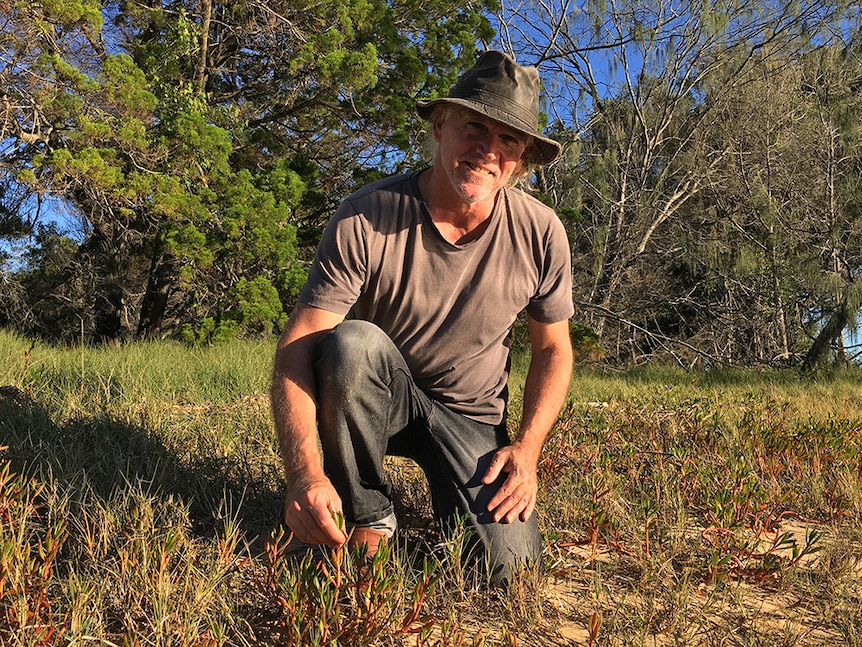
(313, 595)
(780, 241)
(29, 547)
(201, 145)
(639, 92)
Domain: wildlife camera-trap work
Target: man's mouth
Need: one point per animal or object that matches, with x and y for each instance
(478, 169)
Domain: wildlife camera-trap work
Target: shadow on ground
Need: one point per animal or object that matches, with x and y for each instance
(102, 456)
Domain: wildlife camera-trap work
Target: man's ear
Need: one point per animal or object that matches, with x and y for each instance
(437, 122)
(522, 162)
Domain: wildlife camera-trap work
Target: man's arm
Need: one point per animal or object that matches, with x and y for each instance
(545, 391)
(311, 499)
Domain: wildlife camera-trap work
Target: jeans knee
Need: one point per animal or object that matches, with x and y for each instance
(353, 350)
(351, 342)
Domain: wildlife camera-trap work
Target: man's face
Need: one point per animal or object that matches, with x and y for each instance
(478, 154)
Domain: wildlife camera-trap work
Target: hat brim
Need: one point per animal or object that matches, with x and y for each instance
(542, 151)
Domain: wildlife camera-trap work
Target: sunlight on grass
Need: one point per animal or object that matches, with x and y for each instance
(135, 373)
(140, 503)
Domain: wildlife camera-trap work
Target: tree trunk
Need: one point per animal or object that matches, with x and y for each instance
(163, 278)
(830, 332)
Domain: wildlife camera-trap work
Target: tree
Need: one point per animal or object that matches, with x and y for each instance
(203, 143)
(778, 238)
(833, 83)
(636, 81)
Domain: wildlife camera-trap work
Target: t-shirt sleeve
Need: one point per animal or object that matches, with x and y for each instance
(553, 299)
(338, 272)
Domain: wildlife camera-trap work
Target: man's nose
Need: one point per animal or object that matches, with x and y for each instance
(488, 145)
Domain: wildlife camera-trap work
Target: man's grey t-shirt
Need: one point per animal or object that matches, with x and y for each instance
(448, 308)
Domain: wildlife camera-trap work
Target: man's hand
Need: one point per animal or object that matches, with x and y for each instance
(544, 393)
(517, 495)
(310, 512)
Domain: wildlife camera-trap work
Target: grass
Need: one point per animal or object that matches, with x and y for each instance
(140, 498)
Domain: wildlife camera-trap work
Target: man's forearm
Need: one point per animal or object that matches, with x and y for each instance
(545, 392)
(293, 394)
(294, 403)
(311, 503)
(295, 415)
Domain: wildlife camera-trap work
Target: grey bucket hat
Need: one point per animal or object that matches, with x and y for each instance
(499, 88)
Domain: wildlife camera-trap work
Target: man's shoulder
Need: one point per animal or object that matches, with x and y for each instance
(383, 206)
(520, 199)
(392, 185)
(530, 213)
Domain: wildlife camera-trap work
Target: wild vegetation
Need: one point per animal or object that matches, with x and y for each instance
(140, 497)
(166, 168)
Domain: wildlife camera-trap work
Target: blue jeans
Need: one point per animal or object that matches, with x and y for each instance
(369, 406)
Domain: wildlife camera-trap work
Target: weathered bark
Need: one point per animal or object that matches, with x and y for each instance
(160, 286)
(830, 332)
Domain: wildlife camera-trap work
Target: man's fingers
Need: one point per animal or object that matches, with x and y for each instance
(309, 530)
(515, 498)
(331, 533)
(509, 507)
(527, 512)
(296, 520)
(310, 515)
(505, 491)
(505, 498)
(494, 469)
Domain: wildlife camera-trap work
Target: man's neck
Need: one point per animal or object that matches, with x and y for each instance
(458, 221)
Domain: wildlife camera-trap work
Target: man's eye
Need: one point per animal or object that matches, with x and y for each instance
(512, 143)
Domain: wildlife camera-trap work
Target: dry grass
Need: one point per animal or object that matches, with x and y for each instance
(697, 514)
(141, 494)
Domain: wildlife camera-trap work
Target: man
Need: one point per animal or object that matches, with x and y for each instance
(433, 268)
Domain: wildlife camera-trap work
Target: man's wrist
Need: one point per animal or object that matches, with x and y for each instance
(303, 479)
(530, 447)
